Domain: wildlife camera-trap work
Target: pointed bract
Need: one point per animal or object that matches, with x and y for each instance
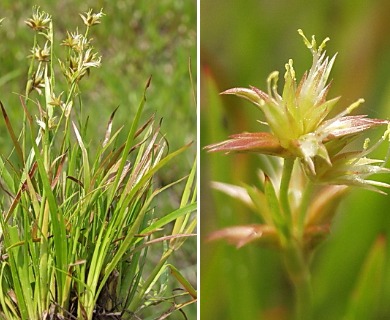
(242, 235)
(262, 142)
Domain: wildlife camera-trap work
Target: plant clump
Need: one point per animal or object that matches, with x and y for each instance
(78, 220)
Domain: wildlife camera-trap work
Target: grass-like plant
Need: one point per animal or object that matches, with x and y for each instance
(308, 161)
(78, 217)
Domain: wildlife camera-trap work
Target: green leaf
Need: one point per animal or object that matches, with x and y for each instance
(170, 217)
(130, 140)
(87, 173)
(182, 221)
(11, 132)
(184, 282)
(366, 295)
(276, 210)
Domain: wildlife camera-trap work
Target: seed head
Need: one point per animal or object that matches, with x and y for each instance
(90, 18)
(37, 81)
(76, 41)
(39, 20)
(56, 100)
(41, 54)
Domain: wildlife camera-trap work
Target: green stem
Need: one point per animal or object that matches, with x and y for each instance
(284, 188)
(298, 270)
(305, 202)
(294, 256)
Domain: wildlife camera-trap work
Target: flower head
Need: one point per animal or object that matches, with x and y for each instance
(301, 107)
(37, 81)
(39, 20)
(90, 18)
(297, 118)
(76, 41)
(41, 54)
(79, 64)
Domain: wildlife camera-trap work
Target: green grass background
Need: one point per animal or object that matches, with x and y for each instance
(241, 43)
(136, 39)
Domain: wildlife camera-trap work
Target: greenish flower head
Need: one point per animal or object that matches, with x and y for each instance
(39, 20)
(90, 18)
(294, 116)
(297, 117)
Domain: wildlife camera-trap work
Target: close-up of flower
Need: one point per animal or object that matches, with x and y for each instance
(90, 18)
(41, 54)
(308, 162)
(39, 20)
(297, 118)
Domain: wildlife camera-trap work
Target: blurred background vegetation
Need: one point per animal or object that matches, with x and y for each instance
(242, 42)
(136, 39)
